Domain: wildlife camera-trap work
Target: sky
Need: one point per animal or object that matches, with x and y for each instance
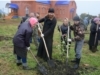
(91, 7)
(83, 6)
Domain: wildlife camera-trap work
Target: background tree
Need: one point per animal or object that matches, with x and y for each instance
(83, 15)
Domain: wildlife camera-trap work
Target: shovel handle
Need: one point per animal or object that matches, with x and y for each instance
(67, 42)
(44, 42)
(34, 57)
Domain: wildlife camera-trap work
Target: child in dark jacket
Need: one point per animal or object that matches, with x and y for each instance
(64, 31)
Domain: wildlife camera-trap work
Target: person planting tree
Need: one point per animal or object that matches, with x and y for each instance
(78, 29)
(21, 41)
(48, 31)
(94, 35)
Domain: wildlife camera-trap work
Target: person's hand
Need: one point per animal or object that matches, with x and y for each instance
(80, 32)
(28, 48)
(69, 40)
(42, 35)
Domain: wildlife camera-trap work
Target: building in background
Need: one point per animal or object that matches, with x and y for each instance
(62, 8)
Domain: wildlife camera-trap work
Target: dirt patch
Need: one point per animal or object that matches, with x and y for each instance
(5, 38)
(64, 69)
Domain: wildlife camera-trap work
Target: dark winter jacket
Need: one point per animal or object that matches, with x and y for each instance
(92, 21)
(77, 29)
(64, 30)
(49, 26)
(92, 34)
(48, 31)
(24, 19)
(23, 35)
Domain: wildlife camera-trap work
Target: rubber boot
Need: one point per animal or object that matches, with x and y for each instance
(76, 66)
(19, 63)
(25, 67)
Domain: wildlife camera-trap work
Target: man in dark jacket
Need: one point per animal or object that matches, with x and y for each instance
(27, 17)
(78, 29)
(93, 40)
(48, 31)
(24, 18)
(21, 41)
(92, 35)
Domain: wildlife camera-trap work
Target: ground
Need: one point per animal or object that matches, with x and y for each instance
(90, 62)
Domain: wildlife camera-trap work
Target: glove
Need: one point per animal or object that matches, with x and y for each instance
(69, 40)
(42, 35)
(28, 48)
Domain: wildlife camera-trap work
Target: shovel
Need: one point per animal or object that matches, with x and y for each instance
(41, 68)
(94, 49)
(68, 44)
(50, 62)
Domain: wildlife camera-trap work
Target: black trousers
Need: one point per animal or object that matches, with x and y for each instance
(41, 50)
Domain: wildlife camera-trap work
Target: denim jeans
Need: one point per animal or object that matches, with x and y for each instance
(78, 48)
(24, 60)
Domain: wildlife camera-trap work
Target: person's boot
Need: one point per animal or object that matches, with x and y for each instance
(76, 66)
(25, 67)
(19, 63)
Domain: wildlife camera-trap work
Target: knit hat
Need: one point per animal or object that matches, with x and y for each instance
(51, 10)
(96, 19)
(33, 21)
(76, 18)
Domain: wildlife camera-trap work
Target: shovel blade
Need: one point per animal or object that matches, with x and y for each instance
(51, 63)
(42, 70)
